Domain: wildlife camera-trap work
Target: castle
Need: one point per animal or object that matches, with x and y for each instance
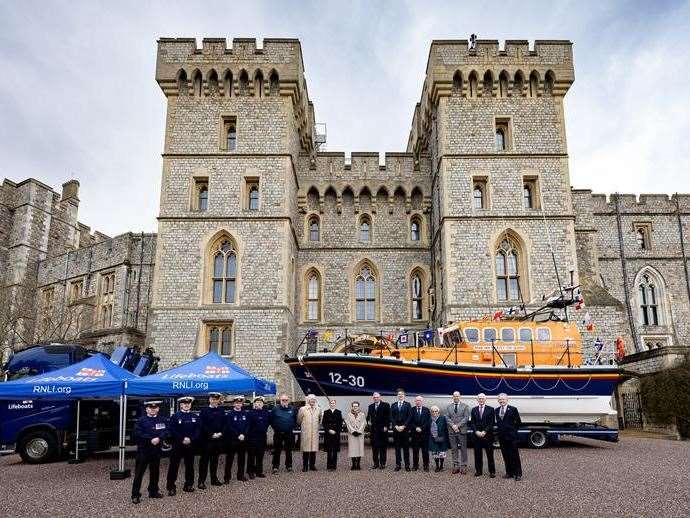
(263, 237)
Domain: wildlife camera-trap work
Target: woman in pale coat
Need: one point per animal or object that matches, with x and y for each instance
(309, 421)
(355, 421)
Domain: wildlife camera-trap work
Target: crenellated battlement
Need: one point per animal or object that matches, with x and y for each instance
(639, 203)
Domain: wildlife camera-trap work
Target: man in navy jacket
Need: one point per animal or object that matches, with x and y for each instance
(236, 437)
(401, 415)
(482, 425)
(420, 428)
(185, 430)
(150, 430)
(507, 423)
(259, 419)
(212, 430)
(283, 422)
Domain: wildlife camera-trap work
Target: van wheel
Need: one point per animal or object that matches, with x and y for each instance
(38, 447)
(537, 439)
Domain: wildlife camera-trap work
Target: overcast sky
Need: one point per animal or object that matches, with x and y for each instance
(78, 97)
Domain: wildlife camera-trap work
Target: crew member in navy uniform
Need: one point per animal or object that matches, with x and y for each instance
(150, 430)
(236, 439)
(379, 419)
(482, 425)
(507, 423)
(420, 429)
(212, 428)
(401, 415)
(185, 430)
(259, 419)
(283, 422)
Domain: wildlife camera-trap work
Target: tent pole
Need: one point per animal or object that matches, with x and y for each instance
(120, 473)
(76, 459)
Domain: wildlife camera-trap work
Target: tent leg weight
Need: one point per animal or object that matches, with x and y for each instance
(116, 474)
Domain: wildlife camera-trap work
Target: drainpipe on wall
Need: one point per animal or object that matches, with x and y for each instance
(626, 291)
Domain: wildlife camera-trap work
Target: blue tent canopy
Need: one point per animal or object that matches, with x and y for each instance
(209, 373)
(94, 377)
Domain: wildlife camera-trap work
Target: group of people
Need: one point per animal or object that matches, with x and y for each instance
(428, 432)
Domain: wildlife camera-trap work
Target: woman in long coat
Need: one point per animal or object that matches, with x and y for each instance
(332, 426)
(356, 421)
(438, 438)
(309, 421)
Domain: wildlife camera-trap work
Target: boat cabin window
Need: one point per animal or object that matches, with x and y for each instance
(472, 334)
(510, 359)
(452, 337)
(508, 334)
(525, 334)
(543, 334)
(489, 334)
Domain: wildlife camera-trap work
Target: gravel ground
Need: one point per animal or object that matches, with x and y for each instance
(636, 477)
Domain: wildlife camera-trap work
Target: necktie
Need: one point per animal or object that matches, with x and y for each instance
(456, 408)
(481, 411)
(399, 405)
(503, 411)
(376, 406)
(419, 411)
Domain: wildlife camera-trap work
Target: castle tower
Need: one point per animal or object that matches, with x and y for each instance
(492, 121)
(237, 120)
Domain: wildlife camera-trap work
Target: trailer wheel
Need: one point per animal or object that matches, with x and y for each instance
(38, 447)
(537, 439)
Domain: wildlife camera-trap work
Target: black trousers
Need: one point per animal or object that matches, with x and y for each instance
(283, 441)
(209, 455)
(181, 452)
(420, 441)
(486, 444)
(255, 458)
(379, 447)
(308, 459)
(511, 457)
(239, 448)
(331, 459)
(150, 460)
(401, 441)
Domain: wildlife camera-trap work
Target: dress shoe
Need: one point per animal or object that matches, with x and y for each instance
(313, 468)
(436, 469)
(242, 479)
(305, 469)
(136, 499)
(155, 495)
(226, 481)
(289, 469)
(492, 475)
(375, 466)
(407, 468)
(382, 466)
(518, 478)
(456, 471)
(397, 468)
(507, 476)
(260, 475)
(252, 476)
(216, 483)
(172, 492)
(414, 468)
(201, 485)
(477, 474)
(274, 471)
(188, 489)
(426, 468)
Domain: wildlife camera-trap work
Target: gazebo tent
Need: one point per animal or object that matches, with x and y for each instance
(208, 373)
(93, 378)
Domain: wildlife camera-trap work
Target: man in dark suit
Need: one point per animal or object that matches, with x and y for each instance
(401, 415)
(379, 419)
(482, 426)
(507, 423)
(420, 426)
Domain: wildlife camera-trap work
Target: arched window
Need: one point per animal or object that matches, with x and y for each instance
(198, 82)
(417, 298)
(488, 83)
(457, 83)
(259, 84)
(253, 198)
(244, 83)
(314, 234)
(274, 84)
(507, 268)
(227, 83)
(220, 339)
(533, 84)
(500, 139)
(313, 296)
(415, 229)
(527, 196)
(182, 88)
(503, 84)
(224, 273)
(365, 229)
(649, 296)
(549, 81)
(641, 238)
(365, 294)
(212, 81)
(473, 84)
(518, 84)
(478, 196)
(232, 137)
(203, 197)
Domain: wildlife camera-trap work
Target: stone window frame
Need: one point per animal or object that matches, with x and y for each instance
(365, 218)
(226, 122)
(312, 216)
(251, 180)
(652, 342)
(481, 182)
(643, 229)
(312, 271)
(208, 326)
(76, 290)
(375, 272)
(424, 276)
(662, 306)
(47, 306)
(521, 248)
(504, 123)
(418, 218)
(531, 181)
(198, 183)
(208, 252)
(105, 299)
